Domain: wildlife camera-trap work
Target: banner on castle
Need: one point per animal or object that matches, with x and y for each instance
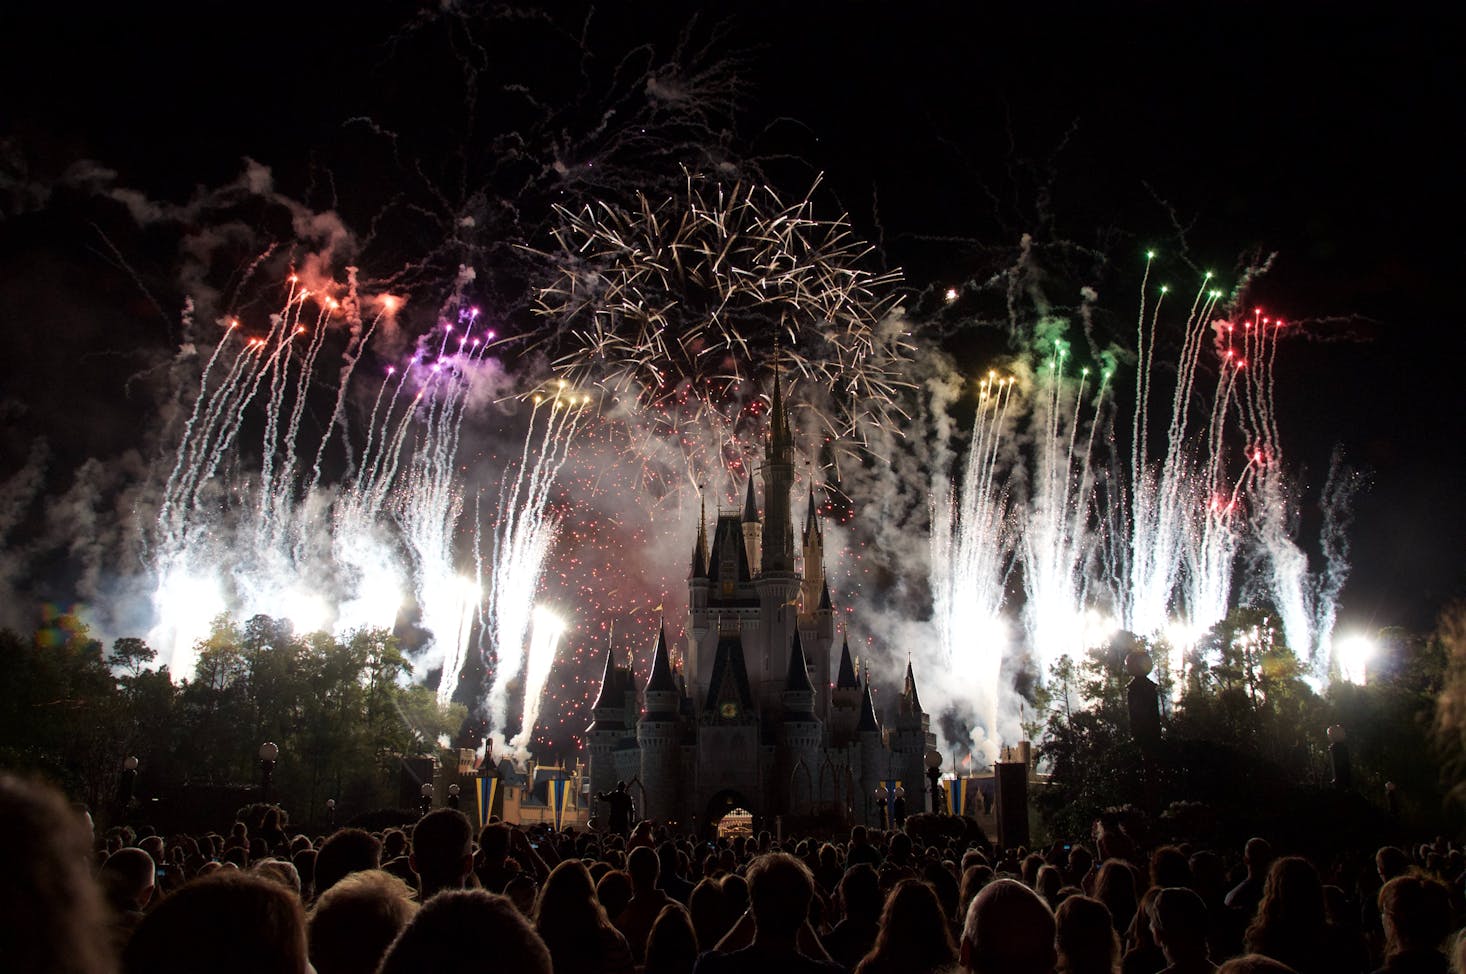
(558, 789)
(966, 796)
(487, 789)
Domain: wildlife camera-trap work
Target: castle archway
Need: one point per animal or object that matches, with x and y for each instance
(722, 805)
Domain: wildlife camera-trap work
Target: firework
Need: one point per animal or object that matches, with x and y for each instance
(273, 540)
(1152, 546)
(680, 307)
(524, 533)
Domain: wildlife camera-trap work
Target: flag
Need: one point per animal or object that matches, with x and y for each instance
(486, 788)
(556, 792)
(959, 795)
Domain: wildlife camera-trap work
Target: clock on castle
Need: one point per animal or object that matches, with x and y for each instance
(754, 718)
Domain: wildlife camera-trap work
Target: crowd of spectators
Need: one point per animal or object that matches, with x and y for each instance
(441, 896)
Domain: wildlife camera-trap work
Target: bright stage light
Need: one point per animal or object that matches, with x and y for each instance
(1353, 654)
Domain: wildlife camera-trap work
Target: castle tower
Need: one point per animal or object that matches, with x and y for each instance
(802, 732)
(658, 736)
(874, 758)
(778, 470)
(778, 583)
(608, 727)
(911, 739)
(844, 711)
(752, 529)
(698, 586)
(814, 558)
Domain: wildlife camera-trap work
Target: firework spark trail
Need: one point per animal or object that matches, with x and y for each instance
(272, 540)
(430, 507)
(545, 633)
(971, 557)
(1057, 538)
(524, 531)
(677, 306)
(1166, 499)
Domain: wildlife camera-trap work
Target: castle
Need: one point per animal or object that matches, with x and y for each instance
(751, 718)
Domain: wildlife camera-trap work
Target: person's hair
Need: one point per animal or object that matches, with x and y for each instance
(228, 922)
(1289, 925)
(280, 871)
(914, 934)
(672, 944)
(1115, 888)
(705, 904)
(779, 890)
(441, 841)
(735, 896)
(1391, 862)
(642, 866)
(569, 917)
(860, 891)
(394, 843)
(1416, 912)
(1168, 867)
(522, 890)
(614, 891)
(453, 930)
(125, 875)
(1254, 964)
(1258, 853)
(1178, 922)
(356, 920)
(493, 841)
(1086, 937)
(1048, 882)
(347, 851)
(54, 917)
(974, 878)
(1009, 929)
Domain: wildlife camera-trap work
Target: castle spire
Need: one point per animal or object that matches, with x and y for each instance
(700, 550)
(867, 712)
(778, 470)
(797, 680)
(660, 680)
(812, 520)
(607, 696)
(910, 702)
(846, 679)
(750, 504)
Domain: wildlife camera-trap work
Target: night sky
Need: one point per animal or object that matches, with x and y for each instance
(1215, 133)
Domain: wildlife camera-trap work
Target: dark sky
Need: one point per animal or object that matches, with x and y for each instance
(947, 130)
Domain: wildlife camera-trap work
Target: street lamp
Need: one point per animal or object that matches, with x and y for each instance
(453, 791)
(934, 778)
(425, 803)
(881, 796)
(269, 754)
(331, 814)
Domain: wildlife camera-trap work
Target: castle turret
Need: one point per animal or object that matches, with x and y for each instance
(699, 585)
(911, 739)
(844, 699)
(658, 735)
(752, 528)
(803, 732)
(608, 727)
(778, 531)
(874, 759)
